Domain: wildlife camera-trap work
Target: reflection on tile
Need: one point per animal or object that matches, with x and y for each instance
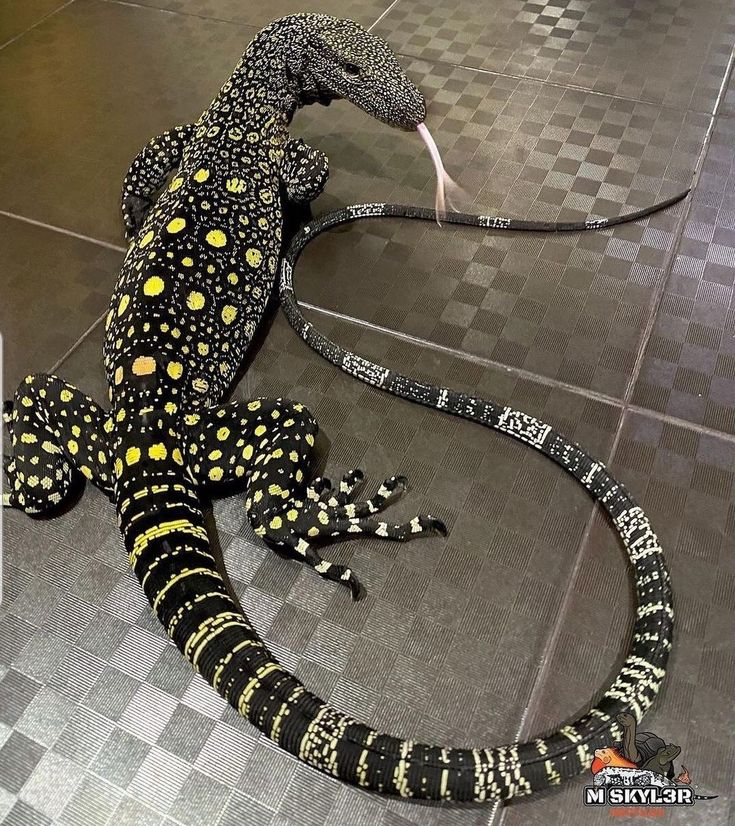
(363, 11)
(685, 484)
(53, 289)
(17, 16)
(572, 306)
(85, 90)
(676, 54)
(689, 367)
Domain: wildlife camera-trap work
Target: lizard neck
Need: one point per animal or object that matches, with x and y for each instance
(270, 78)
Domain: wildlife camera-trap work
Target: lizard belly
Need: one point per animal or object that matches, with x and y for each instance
(192, 290)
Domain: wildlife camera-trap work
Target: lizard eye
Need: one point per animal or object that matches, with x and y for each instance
(351, 69)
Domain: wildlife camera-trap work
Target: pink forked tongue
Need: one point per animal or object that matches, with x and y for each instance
(445, 186)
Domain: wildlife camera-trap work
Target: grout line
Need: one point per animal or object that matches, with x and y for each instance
(527, 375)
(556, 84)
(37, 23)
(63, 231)
(146, 7)
(76, 344)
(552, 640)
(700, 429)
(384, 14)
(481, 360)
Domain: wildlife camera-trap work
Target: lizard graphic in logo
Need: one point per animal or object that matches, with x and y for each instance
(639, 770)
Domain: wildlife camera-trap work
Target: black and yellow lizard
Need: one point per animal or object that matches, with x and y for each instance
(201, 265)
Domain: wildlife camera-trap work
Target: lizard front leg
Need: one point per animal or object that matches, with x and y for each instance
(270, 442)
(304, 171)
(59, 437)
(148, 172)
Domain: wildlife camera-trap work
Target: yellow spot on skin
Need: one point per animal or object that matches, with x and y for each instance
(144, 365)
(118, 375)
(263, 223)
(201, 175)
(191, 418)
(200, 385)
(260, 430)
(86, 471)
(266, 196)
(247, 452)
(158, 451)
(123, 305)
(118, 466)
(177, 457)
(175, 184)
(229, 313)
(187, 261)
(73, 447)
(223, 433)
(195, 300)
(276, 522)
(154, 285)
(232, 278)
(146, 239)
(170, 407)
(175, 370)
(132, 455)
(26, 402)
(101, 458)
(176, 225)
(309, 440)
(313, 532)
(235, 185)
(215, 454)
(216, 473)
(216, 238)
(202, 348)
(120, 414)
(255, 405)
(108, 426)
(253, 257)
(76, 430)
(299, 475)
(292, 515)
(65, 396)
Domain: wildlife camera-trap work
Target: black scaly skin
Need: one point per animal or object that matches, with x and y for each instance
(192, 289)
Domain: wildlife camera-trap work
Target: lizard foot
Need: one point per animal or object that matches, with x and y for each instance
(328, 515)
(134, 210)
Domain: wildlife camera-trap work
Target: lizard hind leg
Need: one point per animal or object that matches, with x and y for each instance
(269, 443)
(58, 439)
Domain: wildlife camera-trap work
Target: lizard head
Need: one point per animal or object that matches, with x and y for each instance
(341, 59)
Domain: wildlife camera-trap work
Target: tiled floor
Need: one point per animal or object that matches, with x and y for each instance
(624, 340)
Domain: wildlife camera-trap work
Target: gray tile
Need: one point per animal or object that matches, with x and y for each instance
(24, 815)
(572, 306)
(120, 758)
(200, 801)
(19, 756)
(71, 127)
(363, 11)
(17, 16)
(676, 54)
(689, 365)
(50, 297)
(92, 804)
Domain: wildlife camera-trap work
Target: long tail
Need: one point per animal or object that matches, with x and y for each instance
(356, 211)
(401, 767)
